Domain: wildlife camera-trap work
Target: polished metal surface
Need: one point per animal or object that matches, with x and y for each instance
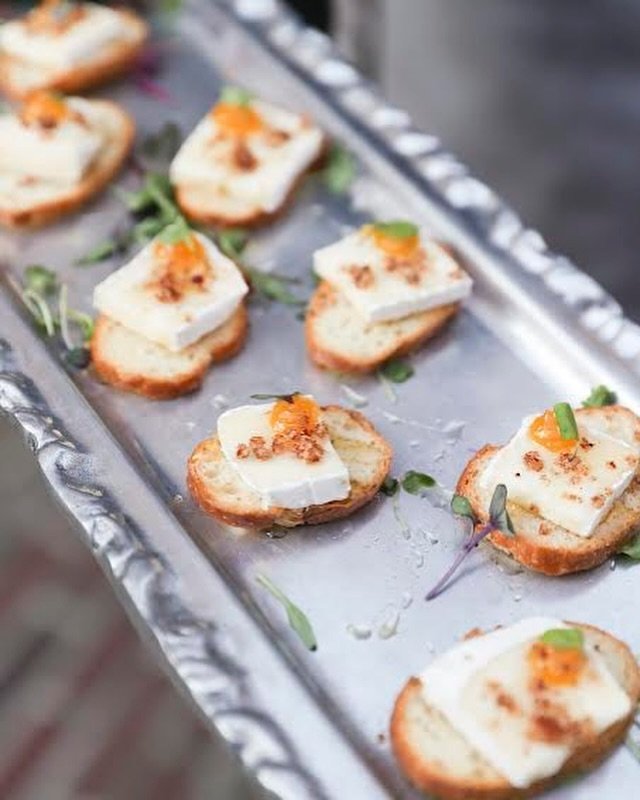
(537, 329)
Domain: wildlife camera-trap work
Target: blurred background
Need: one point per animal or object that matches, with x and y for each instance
(541, 99)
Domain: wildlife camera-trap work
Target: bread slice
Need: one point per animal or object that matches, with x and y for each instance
(130, 362)
(34, 203)
(218, 490)
(438, 760)
(208, 206)
(544, 546)
(338, 339)
(20, 78)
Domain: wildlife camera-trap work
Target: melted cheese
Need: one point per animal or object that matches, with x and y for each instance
(282, 480)
(78, 44)
(207, 158)
(365, 274)
(483, 687)
(60, 154)
(575, 491)
(162, 307)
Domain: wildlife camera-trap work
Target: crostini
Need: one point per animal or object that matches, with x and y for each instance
(288, 462)
(68, 47)
(507, 714)
(244, 161)
(56, 153)
(384, 290)
(168, 314)
(572, 483)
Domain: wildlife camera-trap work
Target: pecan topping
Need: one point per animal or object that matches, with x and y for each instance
(362, 276)
(243, 158)
(533, 461)
(276, 137)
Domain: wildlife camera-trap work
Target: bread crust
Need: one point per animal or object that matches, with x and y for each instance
(219, 505)
(99, 176)
(196, 212)
(432, 778)
(225, 343)
(114, 61)
(540, 553)
(326, 357)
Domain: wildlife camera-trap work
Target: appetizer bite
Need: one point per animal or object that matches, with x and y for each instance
(288, 462)
(384, 290)
(168, 314)
(243, 161)
(572, 483)
(509, 713)
(68, 47)
(56, 153)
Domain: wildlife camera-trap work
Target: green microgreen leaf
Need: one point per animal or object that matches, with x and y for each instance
(340, 170)
(600, 396)
(235, 96)
(232, 241)
(396, 371)
(397, 229)
(417, 482)
(632, 548)
(40, 280)
(390, 486)
(461, 507)
(498, 514)
(176, 231)
(78, 357)
(566, 420)
(288, 397)
(100, 252)
(273, 287)
(160, 147)
(40, 311)
(298, 620)
(564, 638)
(84, 322)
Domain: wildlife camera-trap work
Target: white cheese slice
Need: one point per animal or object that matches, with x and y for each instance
(126, 297)
(80, 43)
(205, 158)
(283, 480)
(62, 154)
(576, 495)
(482, 686)
(390, 296)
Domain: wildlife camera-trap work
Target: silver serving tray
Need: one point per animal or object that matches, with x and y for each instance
(537, 329)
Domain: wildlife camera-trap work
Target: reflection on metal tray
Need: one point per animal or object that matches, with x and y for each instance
(314, 725)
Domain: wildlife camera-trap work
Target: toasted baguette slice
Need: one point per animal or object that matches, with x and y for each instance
(130, 362)
(36, 203)
(438, 760)
(20, 78)
(207, 206)
(544, 546)
(219, 491)
(338, 339)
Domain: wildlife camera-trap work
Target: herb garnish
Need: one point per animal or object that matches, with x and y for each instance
(416, 482)
(298, 620)
(287, 397)
(176, 231)
(158, 149)
(600, 396)
(232, 241)
(235, 96)
(41, 280)
(397, 229)
(564, 638)
(339, 171)
(566, 420)
(396, 370)
(632, 548)
(390, 486)
(273, 287)
(498, 520)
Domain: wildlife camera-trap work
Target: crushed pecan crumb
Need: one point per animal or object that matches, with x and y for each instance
(533, 461)
(362, 275)
(411, 270)
(243, 158)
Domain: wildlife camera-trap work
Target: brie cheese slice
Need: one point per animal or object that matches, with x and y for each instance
(144, 298)
(379, 291)
(281, 480)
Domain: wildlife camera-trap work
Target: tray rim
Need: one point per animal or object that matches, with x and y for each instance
(421, 157)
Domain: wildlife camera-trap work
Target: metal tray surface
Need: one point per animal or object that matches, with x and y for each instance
(536, 329)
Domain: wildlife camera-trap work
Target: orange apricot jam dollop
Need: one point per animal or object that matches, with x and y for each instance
(44, 108)
(556, 667)
(300, 414)
(55, 16)
(394, 246)
(544, 431)
(236, 120)
(182, 267)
